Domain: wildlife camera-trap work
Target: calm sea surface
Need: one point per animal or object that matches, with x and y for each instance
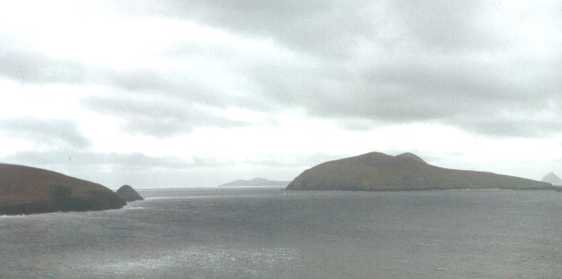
(267, 233)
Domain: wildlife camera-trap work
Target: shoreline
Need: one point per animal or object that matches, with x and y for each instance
(553, 189)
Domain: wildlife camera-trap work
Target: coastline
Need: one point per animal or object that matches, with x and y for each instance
(430, 189)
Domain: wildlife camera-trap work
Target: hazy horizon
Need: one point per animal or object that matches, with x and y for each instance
(198, 93)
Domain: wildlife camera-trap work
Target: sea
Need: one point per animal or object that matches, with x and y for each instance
(272, 233)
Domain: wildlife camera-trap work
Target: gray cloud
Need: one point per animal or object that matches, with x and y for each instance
(506, 126)
(329, 27)
(445, 25)
(332, 28)
(375, 62)
(34, 67)
(169, 85)
(95, 160)
(138, 161)
(56, 133)
(448, 92)
(442, 61)
(158, 117)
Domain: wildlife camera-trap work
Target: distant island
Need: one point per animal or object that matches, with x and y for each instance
(256, 182)
(128, 194)
(406, 172)
(26, 190)
(553, 179)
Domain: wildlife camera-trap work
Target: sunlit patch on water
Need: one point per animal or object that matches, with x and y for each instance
(208, 260)
(12, 216)
(163, 198)
(132, 207)
(272, 235)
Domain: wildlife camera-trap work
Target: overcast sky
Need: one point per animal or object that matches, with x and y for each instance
(174, 93)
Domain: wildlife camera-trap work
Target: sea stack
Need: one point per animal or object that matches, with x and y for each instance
(128, 194)
(553, 179)
(381, 172)
(26, 190)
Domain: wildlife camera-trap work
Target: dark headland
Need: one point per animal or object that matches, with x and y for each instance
(26, 190)
(128, 194)
(406, 172)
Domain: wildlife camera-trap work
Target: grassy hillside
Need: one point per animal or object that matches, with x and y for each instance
(25, 190)
(378, 171)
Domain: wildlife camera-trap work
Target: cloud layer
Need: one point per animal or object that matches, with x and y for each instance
(52, 133)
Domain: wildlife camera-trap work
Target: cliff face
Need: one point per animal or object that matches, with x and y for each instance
(128, 194)
(25, 190)
(381, 172)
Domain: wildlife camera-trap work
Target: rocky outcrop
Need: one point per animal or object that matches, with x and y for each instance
(380, 172)
(128, 194)
(553, 179)
(26, 190)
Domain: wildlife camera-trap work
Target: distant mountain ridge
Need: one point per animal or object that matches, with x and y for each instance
(381, 172)
(553, 179)
(255, 182)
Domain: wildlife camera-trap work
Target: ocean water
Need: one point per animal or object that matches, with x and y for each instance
(269, 233)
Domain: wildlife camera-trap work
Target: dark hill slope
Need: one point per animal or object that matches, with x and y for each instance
(26, 190)
(380, 172)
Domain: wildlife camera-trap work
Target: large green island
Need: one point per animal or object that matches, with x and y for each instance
(406, 172)
(26, 190)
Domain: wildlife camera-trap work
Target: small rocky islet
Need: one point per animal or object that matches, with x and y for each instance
(128, 194)
(553, 179)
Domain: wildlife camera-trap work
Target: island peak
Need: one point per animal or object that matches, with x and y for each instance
(410, 156)
(377, 171)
